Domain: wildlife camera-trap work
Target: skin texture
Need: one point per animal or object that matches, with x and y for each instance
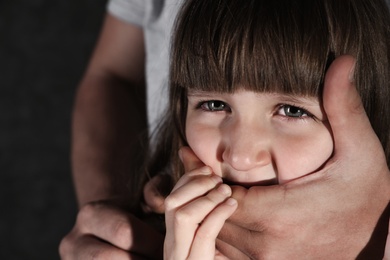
(112, 89)
(250, 138)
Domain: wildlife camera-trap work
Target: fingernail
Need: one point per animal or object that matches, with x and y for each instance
(205, 169)
(231, 202)
(224, 189)
(216, 178)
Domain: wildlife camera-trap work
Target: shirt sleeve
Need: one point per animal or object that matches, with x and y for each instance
(130, 11)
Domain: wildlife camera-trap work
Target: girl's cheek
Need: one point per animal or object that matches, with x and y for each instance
(298, 158)
(204, 143)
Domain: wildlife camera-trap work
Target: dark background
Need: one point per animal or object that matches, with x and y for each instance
(44, 49)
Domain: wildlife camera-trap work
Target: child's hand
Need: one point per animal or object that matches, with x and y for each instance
(195, 211)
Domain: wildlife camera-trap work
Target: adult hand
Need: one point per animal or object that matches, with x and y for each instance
(332, 213)
(104, 230)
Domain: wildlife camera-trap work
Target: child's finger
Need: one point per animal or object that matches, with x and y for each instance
(154, 199)
(189, 159)
(188, 218)
(187, 192)
(203, 246)
(199, 173)
(198, 209)
(190, 187)
(182, 223)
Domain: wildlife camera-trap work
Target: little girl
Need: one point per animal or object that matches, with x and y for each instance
(245, 96)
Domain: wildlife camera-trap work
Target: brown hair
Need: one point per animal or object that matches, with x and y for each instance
(274, 46)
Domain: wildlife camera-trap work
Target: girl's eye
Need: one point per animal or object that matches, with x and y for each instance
(213, 105)
(293, 111)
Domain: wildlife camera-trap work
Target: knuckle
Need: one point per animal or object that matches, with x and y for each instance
(99, 253)
(86, 213)
(170, 202)
(282, 227)
(65, 247)
(182, 217)
(121, 232)
(213, 198)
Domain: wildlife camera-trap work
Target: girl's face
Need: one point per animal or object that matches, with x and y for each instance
(251, 138)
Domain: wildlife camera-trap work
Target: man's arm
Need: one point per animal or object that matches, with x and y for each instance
(109, 113)
(108, 122)
(339, 212)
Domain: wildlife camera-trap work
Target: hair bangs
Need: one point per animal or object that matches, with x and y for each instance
(255, 45)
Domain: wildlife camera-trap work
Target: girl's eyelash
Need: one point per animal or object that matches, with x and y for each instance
(306, 111)
(293, 105)
(200, 103)
(199, 106)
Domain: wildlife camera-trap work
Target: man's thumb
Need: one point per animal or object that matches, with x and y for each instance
(344, 108)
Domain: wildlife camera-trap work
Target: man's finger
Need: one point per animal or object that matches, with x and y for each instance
(120, 229)
(189, 159)
(89, 247)
(254, 204)
(155, 191)
(230, 245)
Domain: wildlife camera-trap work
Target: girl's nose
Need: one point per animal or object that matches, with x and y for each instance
(246, 147)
